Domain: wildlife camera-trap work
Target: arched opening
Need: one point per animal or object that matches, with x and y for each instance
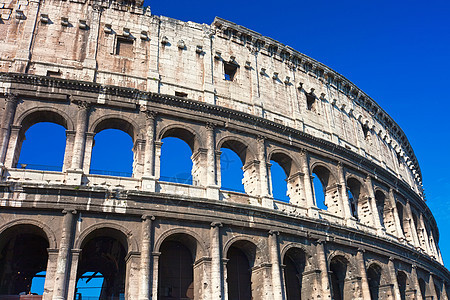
(402, 280)
(294, 262)
(176, 162)
(232, 159)
(319, 193)
(374, 279)
(338, 274)
(400, 215)
(284, 186)
(42, 147)
(114, 163)
(325, 188)
(438, 291)
(103, 252)
(279, 187)
(286, 181)
(354, 193)
(176, 274)
(23, 260)
(89, 286)
(380, 200)
(423, 288)
(242, 283)
(239, 275)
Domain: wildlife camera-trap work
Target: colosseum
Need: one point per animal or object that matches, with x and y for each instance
(94, 65)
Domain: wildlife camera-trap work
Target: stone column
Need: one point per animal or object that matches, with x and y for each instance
(225, 278)
(427, 246)
(393, 275)
(216, 274)
(277, 284)
(323, 265)
(146, 275)
(148, 178)
(363, 274)
(13, 145)
(155, 274)
(444, 291)
(212, 190)
(80, 135)
(263, 174)
(62, 266)
(416, 282)
(88, 152)
(307, 181)
(373, 203)
(7, 121)
(400, 234)
(344, 197)
(412, 226)
(433, 287)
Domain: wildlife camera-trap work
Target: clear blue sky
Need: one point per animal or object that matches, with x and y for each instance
(398, 52)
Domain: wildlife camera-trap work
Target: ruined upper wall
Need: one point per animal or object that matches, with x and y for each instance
(124, 45)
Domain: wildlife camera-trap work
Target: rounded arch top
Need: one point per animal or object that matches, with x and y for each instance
(239, 146)
(184, 133)
(34, 226)
(115, 121)
(44, 114)
(285, 160)
(187, 237)
(249, 246)
(122, 234)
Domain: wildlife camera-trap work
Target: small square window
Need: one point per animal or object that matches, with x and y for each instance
(230, 71)
(124, 47)
(181, 94)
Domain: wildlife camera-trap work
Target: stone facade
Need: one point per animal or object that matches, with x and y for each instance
(90, 66)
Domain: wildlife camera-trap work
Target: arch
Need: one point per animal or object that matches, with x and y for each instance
(403, 283)
(358, 203)
(238, 145)
(295, 261)
(259, 256)
(49, 234)
(328, 184)
(104, 250)
(184, 133)
(285, 160)
(116, 121)
(338, 267)
(23, 258)
(176, 274)
(292, 245)
(374, 279)
(125, 236)
(200, 243)
(44, 114)
(423, 288)
(380, 200)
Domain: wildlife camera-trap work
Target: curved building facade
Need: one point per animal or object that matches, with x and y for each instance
(92, 65)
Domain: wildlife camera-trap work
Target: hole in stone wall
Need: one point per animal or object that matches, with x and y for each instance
(124, 47)
(229, 70)
(181, 94)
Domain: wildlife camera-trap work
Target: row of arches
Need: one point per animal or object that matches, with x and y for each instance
(103, 269)
(178, 153)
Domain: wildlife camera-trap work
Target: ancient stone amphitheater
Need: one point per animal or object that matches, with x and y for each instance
(91, 66)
